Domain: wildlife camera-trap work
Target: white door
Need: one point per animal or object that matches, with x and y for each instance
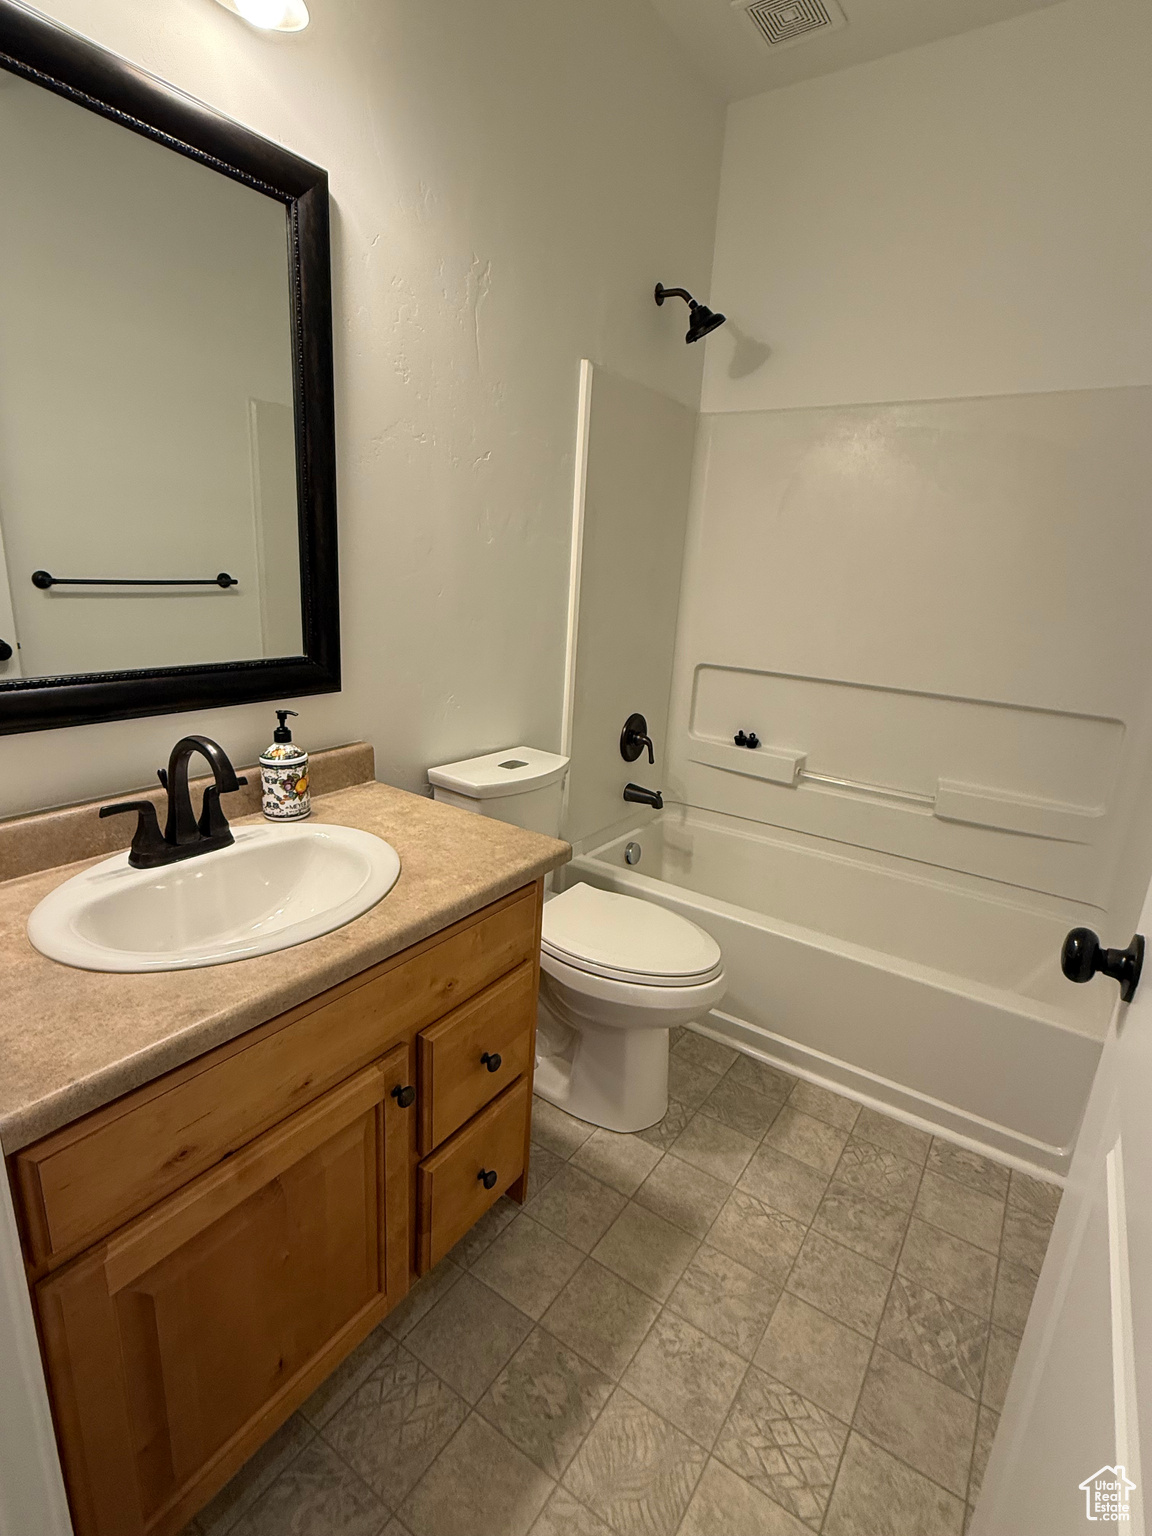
(1079, 1409)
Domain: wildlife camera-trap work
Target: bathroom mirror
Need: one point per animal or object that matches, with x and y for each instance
(167, 474)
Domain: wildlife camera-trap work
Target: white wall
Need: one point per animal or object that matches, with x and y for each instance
(925, 486)
(637, 479)
(966, 218)
(508, 180)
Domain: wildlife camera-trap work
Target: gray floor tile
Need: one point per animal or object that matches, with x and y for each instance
(742, 1108)
(986, 1426)
(1002, 1347)
(871, 1227)
(564, 1515)
(685, 1376)
(1025, 1239)
(394, 1425)
(258, 1473)
(528, 1265)
(893, 1135)
(469, 1335)
(484, 1233)
(949, 1267)
(558, 1132)
(965, 1212)
(701, 1051)
(724, 1505)
(970, 1168)
(758, 1075)
(783, 1183)
(421, 1298)
(818, 1357)
(823, 1104)
(317, 1495)
(728, 1301)
(1038, 1198)
(918, 1419)
(359, 1365)
(842, 1283)
(647, 1251)
(1015, 1287)
(806, 1139)
(683, 1195)
(788, 1447)
(545, 1401)
(576, 1207)
(935, 1335)
(664, 1133)
(689, 1085)
(759, 1237)
(715, 1149)
(542, 1166)
(877, 1172)
(876, 1495)
(601, 1317)
(479, 1483)
(622, 1162)
(635, 1470)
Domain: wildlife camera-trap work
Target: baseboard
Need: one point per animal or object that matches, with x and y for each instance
(998, 1142)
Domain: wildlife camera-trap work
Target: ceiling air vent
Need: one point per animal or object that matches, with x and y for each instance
(783, 23)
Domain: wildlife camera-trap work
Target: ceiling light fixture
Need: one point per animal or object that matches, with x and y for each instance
(270, 15)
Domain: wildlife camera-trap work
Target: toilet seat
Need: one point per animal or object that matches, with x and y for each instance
(621, 938)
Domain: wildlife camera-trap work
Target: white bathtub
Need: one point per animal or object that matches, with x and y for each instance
(920, 993)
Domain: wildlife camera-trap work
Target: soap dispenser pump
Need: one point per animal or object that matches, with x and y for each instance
(284, 775)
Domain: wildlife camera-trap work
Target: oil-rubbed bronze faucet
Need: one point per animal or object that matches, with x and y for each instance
(642, 796)
(183, 837)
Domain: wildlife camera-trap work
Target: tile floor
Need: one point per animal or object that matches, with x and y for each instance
(773, 1314)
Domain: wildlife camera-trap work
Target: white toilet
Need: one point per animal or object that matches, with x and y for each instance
(616, 972)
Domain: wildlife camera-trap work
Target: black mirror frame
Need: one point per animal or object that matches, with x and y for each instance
(92, 77)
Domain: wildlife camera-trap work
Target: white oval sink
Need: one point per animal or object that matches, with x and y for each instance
(274, 887)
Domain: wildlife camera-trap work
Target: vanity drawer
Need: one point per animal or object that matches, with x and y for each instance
(77, 1185)
(454, 1081)
(451, 1194)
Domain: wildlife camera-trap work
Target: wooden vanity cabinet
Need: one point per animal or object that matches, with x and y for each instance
(203, 1252)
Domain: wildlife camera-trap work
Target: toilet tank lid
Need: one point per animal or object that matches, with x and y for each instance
(511, 772)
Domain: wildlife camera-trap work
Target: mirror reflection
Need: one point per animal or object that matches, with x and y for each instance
(147, 441)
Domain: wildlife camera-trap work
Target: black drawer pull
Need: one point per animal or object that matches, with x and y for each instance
(491, 1060)
(405, 1097)
(487, 1177)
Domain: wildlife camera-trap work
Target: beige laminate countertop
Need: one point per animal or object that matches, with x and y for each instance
(72, 1040)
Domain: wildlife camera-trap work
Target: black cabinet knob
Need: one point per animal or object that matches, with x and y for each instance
(405, 1097)
(491, 1059)
(1083, 956)
(487, 1177)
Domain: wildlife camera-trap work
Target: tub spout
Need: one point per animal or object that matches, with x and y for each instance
(642, 796)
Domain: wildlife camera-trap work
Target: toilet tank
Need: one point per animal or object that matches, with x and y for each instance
(522, 785)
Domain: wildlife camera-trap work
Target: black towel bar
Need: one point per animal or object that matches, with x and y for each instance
(44, 580)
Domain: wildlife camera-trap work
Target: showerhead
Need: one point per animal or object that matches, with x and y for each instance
(701, 319)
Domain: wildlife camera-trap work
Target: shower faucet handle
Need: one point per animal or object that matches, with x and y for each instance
(634, 738)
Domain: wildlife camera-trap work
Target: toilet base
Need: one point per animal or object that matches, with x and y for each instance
(615, 1078)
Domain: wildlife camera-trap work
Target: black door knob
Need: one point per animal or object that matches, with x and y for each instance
(5, 651)
(491, 1059)
(405, 1097)
(1083, 955)
(488, 1177)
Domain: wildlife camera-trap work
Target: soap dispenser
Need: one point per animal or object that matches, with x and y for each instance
(284, 775)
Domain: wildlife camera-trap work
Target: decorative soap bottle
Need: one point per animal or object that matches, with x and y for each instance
(284, 775)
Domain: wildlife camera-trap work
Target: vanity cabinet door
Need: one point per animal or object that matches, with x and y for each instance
(179, 1344)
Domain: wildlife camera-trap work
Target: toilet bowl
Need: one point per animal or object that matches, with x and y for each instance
(616, 974)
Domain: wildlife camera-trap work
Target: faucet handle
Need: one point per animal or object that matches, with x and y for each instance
(148, 845)
(213, 822)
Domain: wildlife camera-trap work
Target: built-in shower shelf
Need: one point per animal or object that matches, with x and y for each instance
(970, 804)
